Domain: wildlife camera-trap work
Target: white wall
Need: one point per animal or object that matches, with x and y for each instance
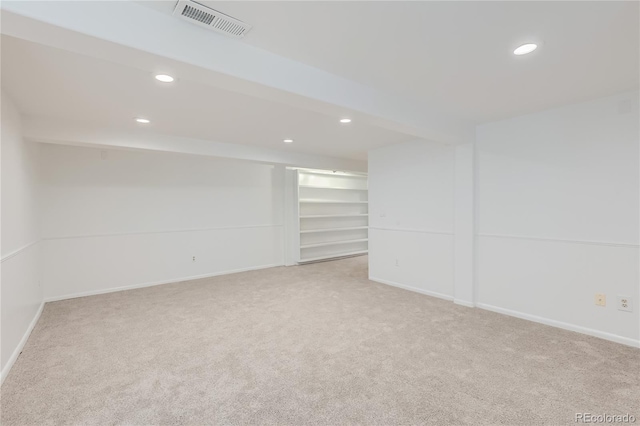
(21, 288)
(411, 201)
(464, 225)
(118, 219)
(546, 215)
(558, 212)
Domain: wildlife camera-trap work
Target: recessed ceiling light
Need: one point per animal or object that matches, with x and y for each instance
(345, 120)
(143, 120)
(525, 48)
(164, 78)
(288, 141)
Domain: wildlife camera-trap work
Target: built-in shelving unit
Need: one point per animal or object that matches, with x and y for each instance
(333, 215)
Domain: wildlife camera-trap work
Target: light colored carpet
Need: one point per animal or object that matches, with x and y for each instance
(316, 344)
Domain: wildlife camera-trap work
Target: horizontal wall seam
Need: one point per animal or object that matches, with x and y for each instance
(18, 251)
(166, 231)
(421, 231)
(561, 240)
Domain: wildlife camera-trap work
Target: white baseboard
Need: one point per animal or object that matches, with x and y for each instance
(546, 321)
(414, 289)
(23, 341)
(466, 303)
(151, 284)
(563, 325)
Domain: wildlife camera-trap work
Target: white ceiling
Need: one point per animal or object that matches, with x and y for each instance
(54, 83)
(403, 70)
(457, 55)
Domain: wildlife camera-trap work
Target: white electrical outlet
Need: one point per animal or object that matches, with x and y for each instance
(601, 299)
(625, 303)
(397, 262)
(194, 258)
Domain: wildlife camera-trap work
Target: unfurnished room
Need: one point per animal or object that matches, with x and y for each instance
(320, 213)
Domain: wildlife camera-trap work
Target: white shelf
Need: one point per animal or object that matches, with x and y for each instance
(334, 256)
(333, 187)
(332, 175)
(321, 216)
(336, 204)
(333, 243)
(353, 228)
(332, 202)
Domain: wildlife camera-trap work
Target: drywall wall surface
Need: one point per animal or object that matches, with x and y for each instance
(124, 219)
(411, 205)
(557, 216)
(21, 292)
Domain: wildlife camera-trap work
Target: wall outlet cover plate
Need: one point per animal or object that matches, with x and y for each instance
(625, 303)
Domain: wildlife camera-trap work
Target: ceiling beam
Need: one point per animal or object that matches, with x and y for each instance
(63, 132)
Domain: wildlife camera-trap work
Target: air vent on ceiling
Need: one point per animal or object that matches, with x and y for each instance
(209, 18)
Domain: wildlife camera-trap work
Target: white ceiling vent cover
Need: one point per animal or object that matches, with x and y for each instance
(209, 18)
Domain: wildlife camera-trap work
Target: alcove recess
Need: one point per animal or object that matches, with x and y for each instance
(333, 215)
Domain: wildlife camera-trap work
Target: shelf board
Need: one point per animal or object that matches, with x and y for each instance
(334, 256)
(353, 228)
(332, 175)
(322, 216)
(332, 202)
(333, 187)
(333, 243)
